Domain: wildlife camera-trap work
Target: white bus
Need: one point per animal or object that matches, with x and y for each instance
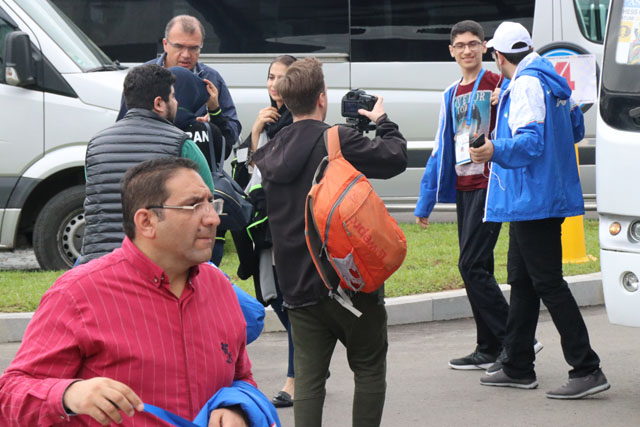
(618, 152)
(396, 48)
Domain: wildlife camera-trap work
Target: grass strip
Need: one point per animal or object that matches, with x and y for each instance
(431, 265)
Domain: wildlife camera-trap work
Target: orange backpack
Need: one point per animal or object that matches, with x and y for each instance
(346, 222)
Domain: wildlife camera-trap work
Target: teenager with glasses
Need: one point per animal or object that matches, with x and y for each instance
(468, 111)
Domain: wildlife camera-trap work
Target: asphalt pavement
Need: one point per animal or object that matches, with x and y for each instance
(423, 391)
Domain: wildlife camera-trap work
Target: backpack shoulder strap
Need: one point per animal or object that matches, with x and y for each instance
(332, 142)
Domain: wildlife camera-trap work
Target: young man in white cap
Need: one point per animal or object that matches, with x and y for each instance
(534, 185)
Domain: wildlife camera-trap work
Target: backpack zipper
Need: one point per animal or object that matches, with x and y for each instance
(335, 205)
(229, 196)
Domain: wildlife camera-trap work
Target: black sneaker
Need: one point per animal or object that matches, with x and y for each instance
(537, 348)
(500, 379)
(498, 365)
(476, 360)
(578, 388)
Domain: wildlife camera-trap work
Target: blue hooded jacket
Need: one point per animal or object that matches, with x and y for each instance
(438, 183)
(534, 174)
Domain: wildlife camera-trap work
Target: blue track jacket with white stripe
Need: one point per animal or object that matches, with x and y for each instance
(534, 174)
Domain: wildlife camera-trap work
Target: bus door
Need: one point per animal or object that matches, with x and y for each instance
(617, 155)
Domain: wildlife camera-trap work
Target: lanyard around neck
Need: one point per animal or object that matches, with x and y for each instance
(471, 98)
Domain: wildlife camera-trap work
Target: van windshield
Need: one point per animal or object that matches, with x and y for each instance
(622, 50)
(70, 38)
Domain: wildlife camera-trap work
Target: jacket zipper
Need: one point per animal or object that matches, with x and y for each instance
(229, 196)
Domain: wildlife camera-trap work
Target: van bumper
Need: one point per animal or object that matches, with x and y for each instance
(9, 227)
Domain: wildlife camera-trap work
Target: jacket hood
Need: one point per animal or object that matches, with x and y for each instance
(287, 154)
(192, 96)
(544, 70)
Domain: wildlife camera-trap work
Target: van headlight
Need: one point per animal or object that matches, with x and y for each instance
(629, 281)
(634, 231)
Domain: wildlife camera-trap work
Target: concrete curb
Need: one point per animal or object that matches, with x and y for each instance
(448, 305)
(587, 290)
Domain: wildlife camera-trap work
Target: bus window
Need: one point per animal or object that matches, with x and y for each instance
(132, 30)
(418, 31)
(592, 17)
(620, 83)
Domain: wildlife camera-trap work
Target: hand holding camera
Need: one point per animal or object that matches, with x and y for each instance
(375, 113)
(359, 108)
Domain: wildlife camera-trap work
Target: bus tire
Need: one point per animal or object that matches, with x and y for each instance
(58, 231)
(566, 48)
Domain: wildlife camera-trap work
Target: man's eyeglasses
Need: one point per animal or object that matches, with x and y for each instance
(191, 49)
(201, 208)
(473, 45)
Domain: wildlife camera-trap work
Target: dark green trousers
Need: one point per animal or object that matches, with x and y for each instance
(315, 331)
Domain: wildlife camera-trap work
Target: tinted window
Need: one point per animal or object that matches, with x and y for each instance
(592, 17)
(412, 30)
(5, 28)
(132, 30)
(620, 92)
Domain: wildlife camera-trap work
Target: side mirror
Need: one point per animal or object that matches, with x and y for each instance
(20, 67)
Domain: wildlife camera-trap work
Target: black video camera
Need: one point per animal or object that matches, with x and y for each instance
(354, 100)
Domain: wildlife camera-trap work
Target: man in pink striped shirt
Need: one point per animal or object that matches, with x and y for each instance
(146, 323)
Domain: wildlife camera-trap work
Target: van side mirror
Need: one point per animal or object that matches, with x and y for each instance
(19, 63)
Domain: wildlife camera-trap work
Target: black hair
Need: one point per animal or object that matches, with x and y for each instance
(467, 26)
(516, 58)
(145, 185)
(144, 83)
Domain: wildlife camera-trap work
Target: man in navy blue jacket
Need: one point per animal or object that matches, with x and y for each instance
(182, 42)
(534, 184)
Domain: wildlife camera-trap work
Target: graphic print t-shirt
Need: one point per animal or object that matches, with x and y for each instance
(474, 176)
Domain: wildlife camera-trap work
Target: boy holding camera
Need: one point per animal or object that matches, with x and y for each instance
(287, 164)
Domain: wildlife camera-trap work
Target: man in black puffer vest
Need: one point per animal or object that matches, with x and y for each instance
(146, 132)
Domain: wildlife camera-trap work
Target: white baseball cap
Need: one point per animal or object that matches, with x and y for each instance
(507, 35)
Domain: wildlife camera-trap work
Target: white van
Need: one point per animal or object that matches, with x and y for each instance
(57, 89)
(395, 48)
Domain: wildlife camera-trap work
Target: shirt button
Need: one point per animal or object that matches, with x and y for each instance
(155, 279)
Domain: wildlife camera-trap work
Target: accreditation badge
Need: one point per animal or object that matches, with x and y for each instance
(462, 149)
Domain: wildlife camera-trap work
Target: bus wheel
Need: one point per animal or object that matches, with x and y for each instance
(57, 234)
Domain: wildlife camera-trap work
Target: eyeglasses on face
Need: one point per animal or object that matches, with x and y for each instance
(473, 45)
(191, 49)
(200, 208)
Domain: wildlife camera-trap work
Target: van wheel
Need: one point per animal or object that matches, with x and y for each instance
(57, 235)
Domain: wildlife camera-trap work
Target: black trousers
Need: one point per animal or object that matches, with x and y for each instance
(534, 268)
(477, 240)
